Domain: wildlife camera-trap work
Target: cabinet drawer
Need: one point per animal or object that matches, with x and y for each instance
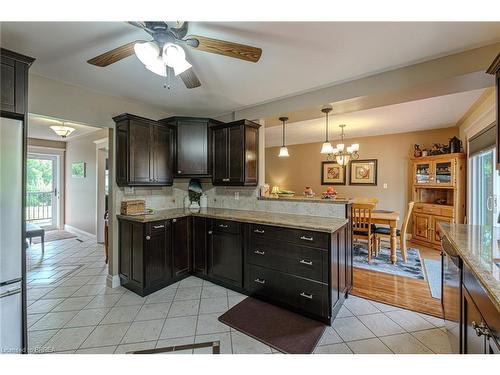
(447, 211)
(157, 227)
(299, 293)
(226, 226)
(298, 236)
(298, 260)
(426, 209)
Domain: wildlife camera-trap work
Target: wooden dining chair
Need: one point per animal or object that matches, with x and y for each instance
(365, 200)
(362, 227)
(400, 233)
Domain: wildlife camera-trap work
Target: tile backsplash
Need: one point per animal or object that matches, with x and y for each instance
(169, 197)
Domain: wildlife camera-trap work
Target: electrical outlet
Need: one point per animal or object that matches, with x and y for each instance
(237, 195)
(385, 185)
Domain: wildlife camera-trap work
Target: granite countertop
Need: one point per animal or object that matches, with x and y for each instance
(303, 198)
(316, 223)
(479, 248)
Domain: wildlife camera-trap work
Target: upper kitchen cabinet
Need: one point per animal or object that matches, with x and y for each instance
(144, 152)
(193, 150)
(14, 82)
(235, 153)
(495, 70)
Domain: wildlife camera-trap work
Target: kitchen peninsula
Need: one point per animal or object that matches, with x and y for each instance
(299, 262)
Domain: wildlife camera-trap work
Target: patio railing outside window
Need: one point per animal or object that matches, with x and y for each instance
(38, 206)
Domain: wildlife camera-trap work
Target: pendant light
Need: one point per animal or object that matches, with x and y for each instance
(283, 149)
(326, 148)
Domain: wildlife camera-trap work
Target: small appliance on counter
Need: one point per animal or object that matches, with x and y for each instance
(195, 193)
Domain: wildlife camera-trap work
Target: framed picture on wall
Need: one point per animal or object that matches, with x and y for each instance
(363, 172)
(332, 173)
(78, 169)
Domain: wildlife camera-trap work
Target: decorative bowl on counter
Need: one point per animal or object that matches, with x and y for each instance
(286, 194)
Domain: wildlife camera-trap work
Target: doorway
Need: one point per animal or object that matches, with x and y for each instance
(43, 190)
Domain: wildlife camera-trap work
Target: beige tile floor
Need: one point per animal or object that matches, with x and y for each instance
(70, 310)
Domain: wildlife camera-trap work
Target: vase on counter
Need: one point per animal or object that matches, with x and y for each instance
(308, 192)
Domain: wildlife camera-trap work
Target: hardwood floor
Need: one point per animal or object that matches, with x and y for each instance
(399, 291)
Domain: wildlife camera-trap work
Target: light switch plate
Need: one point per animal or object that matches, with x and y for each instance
(237, 195)
(385, 186)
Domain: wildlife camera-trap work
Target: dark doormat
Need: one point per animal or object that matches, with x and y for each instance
(284, 330)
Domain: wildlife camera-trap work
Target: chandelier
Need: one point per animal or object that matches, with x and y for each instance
(343, 154)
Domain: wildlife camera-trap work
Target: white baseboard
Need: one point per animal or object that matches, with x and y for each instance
(113, 281)
(77, 231)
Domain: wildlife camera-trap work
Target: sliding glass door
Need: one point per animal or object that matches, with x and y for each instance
(42, 193)
(483, 189)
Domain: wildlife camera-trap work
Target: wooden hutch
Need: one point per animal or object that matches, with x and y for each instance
(439, 195)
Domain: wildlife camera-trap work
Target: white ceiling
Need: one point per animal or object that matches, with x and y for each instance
(297, 56)
(432, 113)
(39, 127)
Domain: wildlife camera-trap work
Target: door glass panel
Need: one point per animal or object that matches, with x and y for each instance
(443, 173)
(423, 173)
(41, 193)
(482, 196)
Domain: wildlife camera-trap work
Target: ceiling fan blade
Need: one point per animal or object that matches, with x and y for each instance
(190, 79)
(114, 55)
(222, 47)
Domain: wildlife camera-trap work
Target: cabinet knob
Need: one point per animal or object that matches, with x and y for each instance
(148, 238)
(210, 232)
(179, 172)
(174, 220)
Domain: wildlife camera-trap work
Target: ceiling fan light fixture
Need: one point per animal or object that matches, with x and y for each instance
(147, 52)
(157, 66)
(175, 57)
(62, 130)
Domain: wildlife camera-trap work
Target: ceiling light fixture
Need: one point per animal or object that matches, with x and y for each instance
(62, 130)
(283, 149)
(326, 148)
(343, 154)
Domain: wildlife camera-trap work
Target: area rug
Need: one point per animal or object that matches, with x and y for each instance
(433, 272)
(54, 235)
(382, 262)
(282, 329)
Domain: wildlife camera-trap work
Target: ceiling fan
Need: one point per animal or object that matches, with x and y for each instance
(166, 50)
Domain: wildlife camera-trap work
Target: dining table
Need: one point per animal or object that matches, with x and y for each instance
(389, 218)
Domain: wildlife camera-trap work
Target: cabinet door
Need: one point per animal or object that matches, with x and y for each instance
(236, 154)
(192, 148)
(181, 246)
(445, 172)
(221, 157)
(200, 245)
(121, 155)
(251, 152)
(140, 137)
(472, 343)
(157, 256)
(226, 262)
(436, 230)
(13, 88)
(163, 154)
(422, 227)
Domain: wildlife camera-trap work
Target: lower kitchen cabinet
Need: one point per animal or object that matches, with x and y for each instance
(181, 246)
(225, 252)
(306, 271)
(480, 319)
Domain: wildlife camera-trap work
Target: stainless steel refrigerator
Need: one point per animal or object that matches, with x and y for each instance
(12, 285)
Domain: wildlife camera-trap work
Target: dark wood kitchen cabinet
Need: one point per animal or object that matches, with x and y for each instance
(480, 319)
(199, 244)
(14, 82)
(495, 70)
(144, 152)
(181, 246)
(235, 153)
(145, 255)
(225, 252)
(193, 146)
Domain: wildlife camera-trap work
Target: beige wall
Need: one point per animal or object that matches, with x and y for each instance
(303, 167)
(46, 143)
(80, 207)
